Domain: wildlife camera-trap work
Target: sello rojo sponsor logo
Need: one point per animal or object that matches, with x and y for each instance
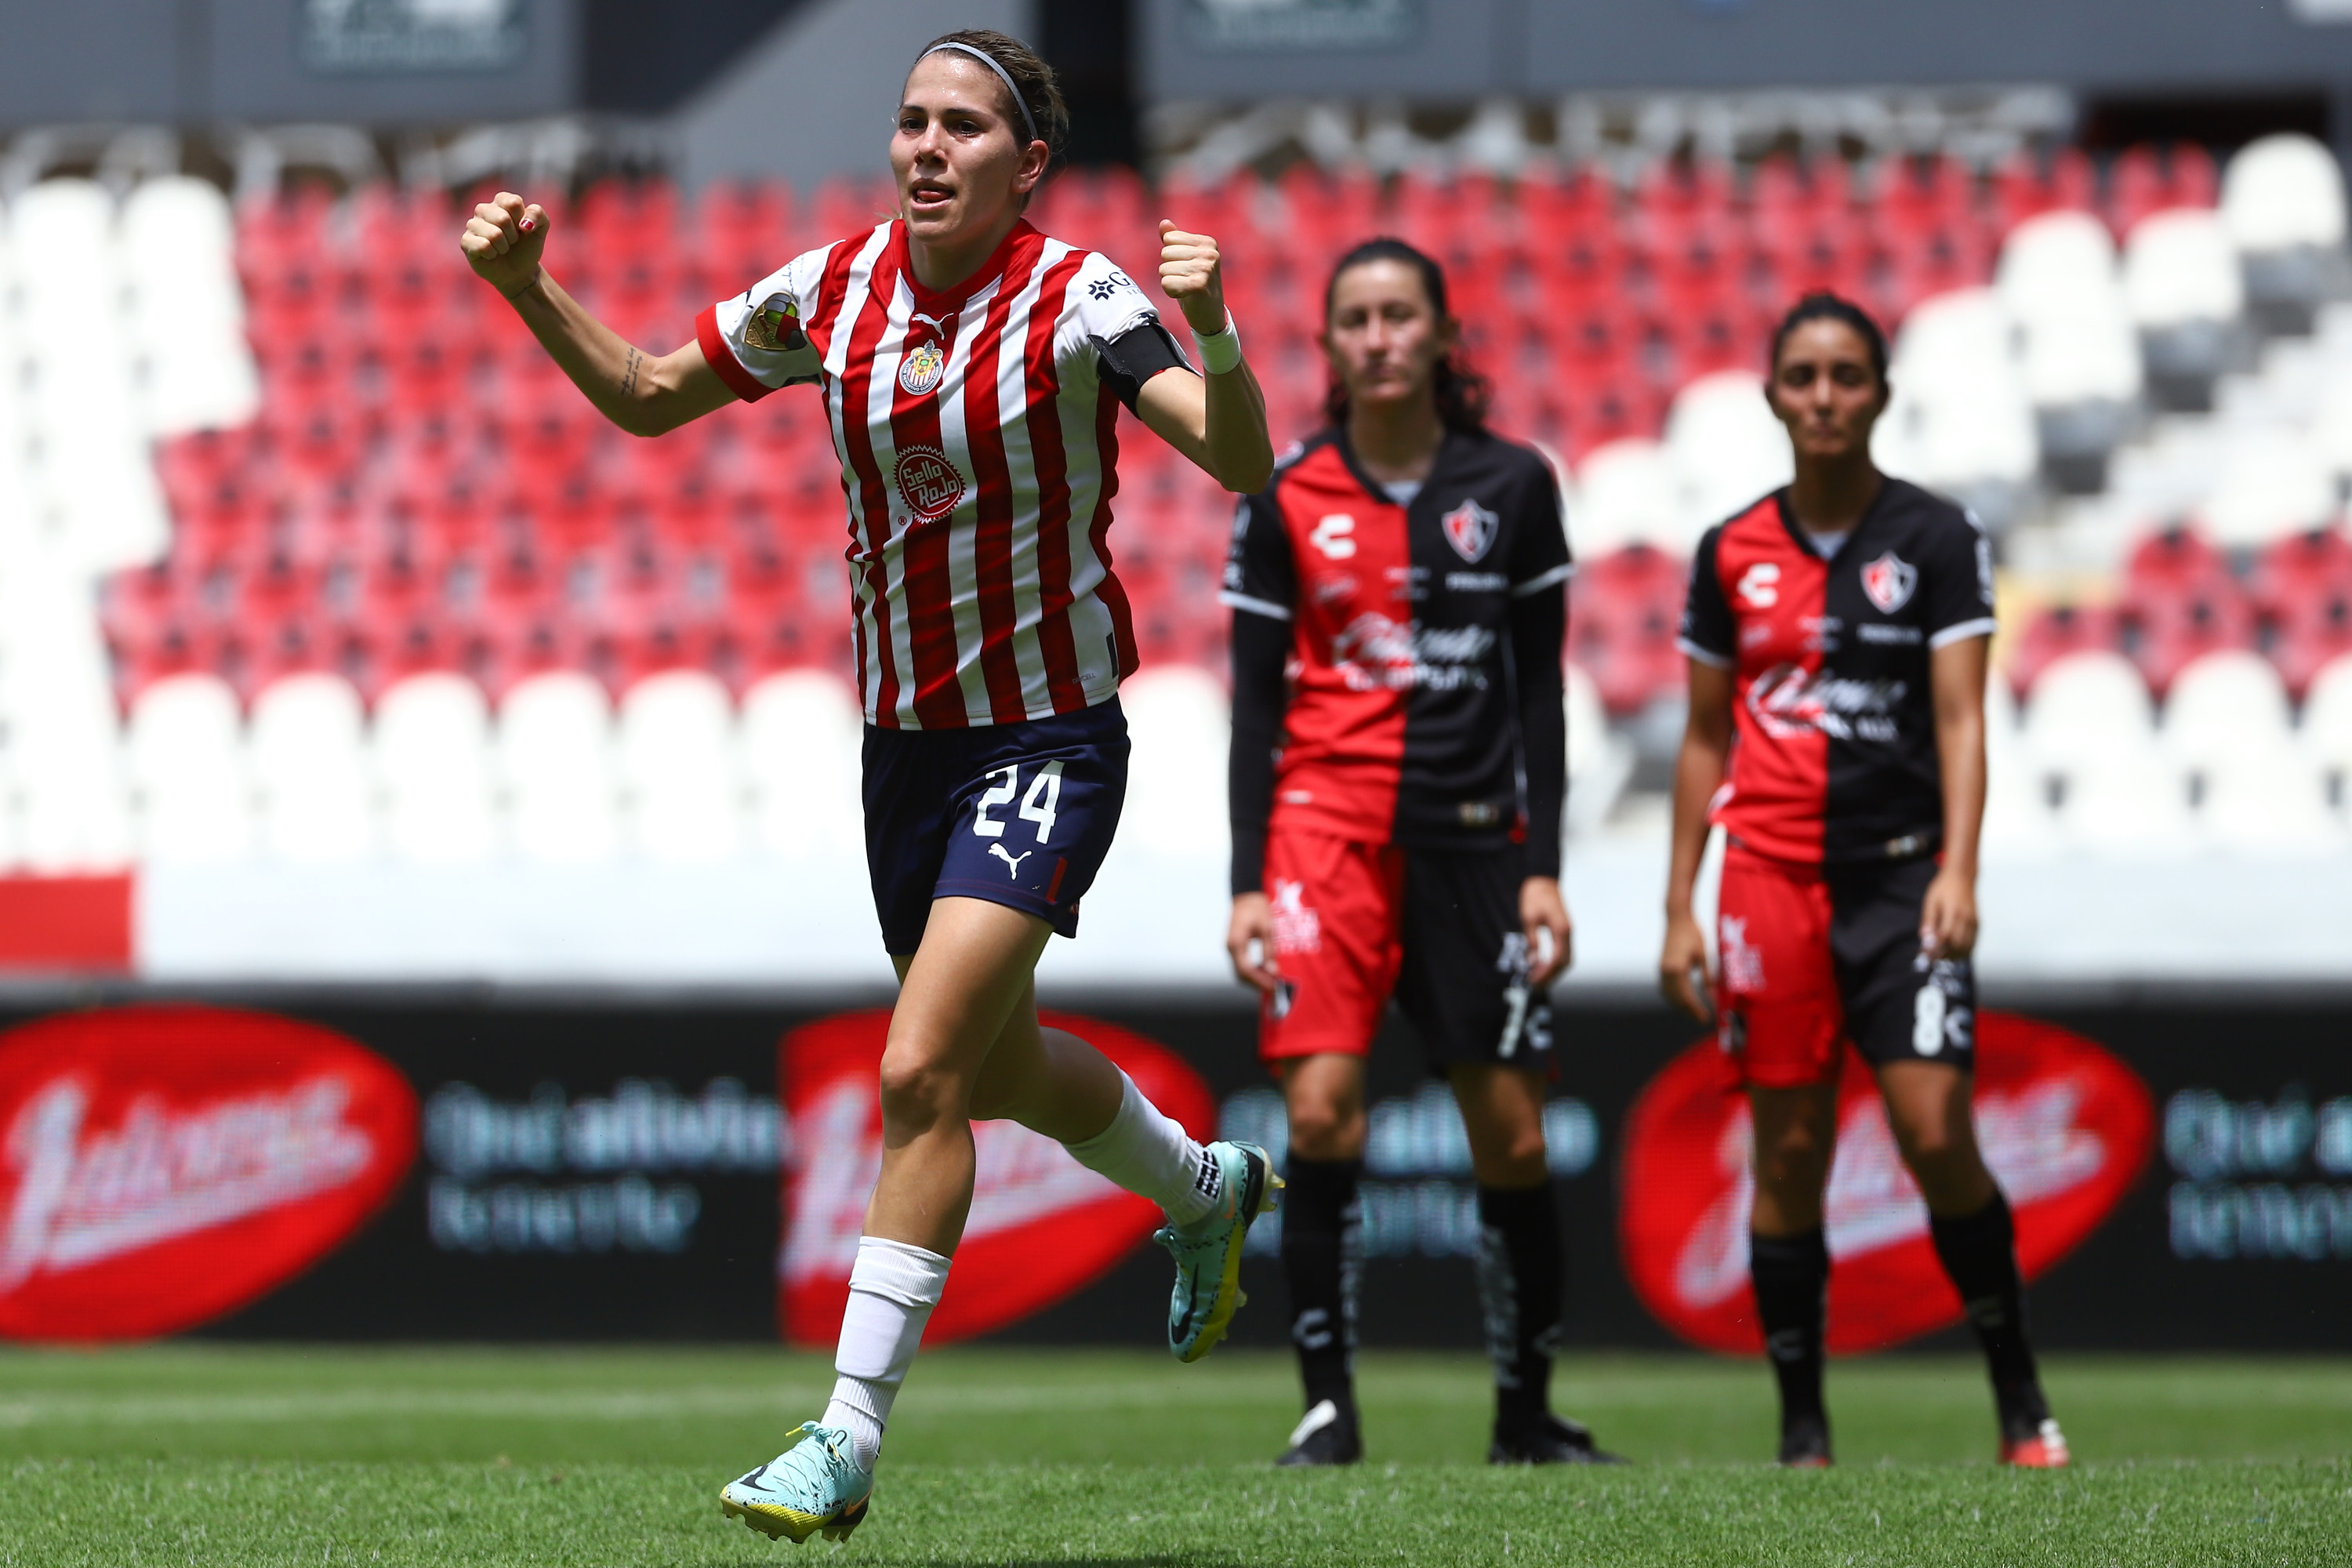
(161, 1166)
(1042, 1226)
(2066, 1127)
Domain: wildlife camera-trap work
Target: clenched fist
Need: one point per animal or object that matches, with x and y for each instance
(504, 241)
(1188, 275)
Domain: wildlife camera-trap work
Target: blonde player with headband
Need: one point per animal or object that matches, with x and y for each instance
(970, 367)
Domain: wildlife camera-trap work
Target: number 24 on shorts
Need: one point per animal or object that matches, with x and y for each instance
(1038, 806)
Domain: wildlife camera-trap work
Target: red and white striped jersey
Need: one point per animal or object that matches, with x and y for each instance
(976, 434)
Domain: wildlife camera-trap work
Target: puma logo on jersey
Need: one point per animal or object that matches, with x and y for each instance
(1757, 584)
(1013, 861)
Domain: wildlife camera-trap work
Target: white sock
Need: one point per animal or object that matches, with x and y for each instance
(1147, 1151)
(892, 1289)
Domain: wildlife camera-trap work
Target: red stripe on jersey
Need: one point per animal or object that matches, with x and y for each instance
(931, 639)
(1053, 465)
(1777, 797)
(871, 505)
(1112, 593)
(992, 478)
(722, 360)
(1343, 731)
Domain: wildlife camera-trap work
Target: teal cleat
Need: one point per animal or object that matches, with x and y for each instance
(1208, 1252)
(813, 1484)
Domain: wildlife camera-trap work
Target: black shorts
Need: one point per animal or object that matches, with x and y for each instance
(1815, 955)
(1438, 930)
(1019, 814)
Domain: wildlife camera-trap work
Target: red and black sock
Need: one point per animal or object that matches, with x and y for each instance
(1322, 1258)
(1522, 1283)
(1980, 1254)
(1791, 1275)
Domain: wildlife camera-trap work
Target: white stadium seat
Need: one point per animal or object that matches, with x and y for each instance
(679, 769)
(1959, 421)
(1600, 762)
(555, 759)
(1625, 495)
(186, 750)
(2089, 729)
(1182, 729)
(1726, 448)
(2080, 357)
(800, 734)
(2283, 201)
(2053, 260)
(2331, 426)
(2226, 726)
(58, 725)
(310, 769)
(187, 310)
(431, 744)
(2182, 283)
(2274, 483)
(2325, 737)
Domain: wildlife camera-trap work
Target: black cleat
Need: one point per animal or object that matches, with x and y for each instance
(1805, 1444)
(1551, 1440)
(1327, 1436)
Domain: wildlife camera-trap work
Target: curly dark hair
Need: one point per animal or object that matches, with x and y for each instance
(1039, 91)
(1463, 395)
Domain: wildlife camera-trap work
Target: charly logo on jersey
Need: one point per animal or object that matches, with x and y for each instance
(1889, 581)
(1789, 700)
(929, 484)
(1041, 1225)
(1471, 529)
(160, 1166)
(921, 370)
(2065, 1126)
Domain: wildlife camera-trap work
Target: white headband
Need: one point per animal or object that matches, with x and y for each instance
(984, 58)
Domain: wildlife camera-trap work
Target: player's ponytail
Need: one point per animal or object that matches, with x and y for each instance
(1463, 395)
(1038, 105)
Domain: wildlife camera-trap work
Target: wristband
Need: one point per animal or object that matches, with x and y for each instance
(1221, 350)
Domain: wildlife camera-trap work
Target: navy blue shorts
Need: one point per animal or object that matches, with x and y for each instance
(1019, 814)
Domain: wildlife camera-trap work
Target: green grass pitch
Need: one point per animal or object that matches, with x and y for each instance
(244, 1456)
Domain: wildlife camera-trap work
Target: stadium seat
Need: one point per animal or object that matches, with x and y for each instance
(2181, 282)
(679, 767)
(1726, 448)
(1179, 719)
(554, 753)
(1959, 421)
(310, 769)
(1600, 762)
(2180, 600)
(1626, 495)
(184, 751)
(1625, 611)
(2090, 739)
(2283, 201)
(2273, 486)
(801, 732)
(2226, 729)
(2303, 589)
(2325, 737)
(2052, 632)
(431, 753)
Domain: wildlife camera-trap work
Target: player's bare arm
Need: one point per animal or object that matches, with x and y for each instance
(1956, 677)
(1551, 937)
(1249, 942)
(1217, 419)
(1699, 770)
(646, 395)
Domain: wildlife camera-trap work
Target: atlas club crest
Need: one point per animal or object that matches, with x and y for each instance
(1888, 581)
(1470, 529)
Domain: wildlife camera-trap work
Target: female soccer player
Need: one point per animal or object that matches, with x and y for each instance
(1399, 794)
(1837, 633)
(969, 367)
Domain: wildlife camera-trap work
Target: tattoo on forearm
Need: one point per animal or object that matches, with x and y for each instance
(629, 375)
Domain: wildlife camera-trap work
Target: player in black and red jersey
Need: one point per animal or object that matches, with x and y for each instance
(1837, 632)
(1399, 759)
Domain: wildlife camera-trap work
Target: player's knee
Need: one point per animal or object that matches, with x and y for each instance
(917, 1092)
(1323, 1129)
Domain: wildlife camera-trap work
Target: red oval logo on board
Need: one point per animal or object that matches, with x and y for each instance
(1042, 1225)
(160, 1166)
(2065, 1126)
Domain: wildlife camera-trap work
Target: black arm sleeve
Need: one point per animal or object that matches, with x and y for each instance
(1134, 356)
(1261, 649)
(1538, 638)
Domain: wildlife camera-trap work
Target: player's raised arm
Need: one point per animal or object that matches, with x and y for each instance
(1216, 419)
(644, 393)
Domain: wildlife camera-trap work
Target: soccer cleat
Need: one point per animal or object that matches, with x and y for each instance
(1805, 1445)
(1208, 1252)
(1551, 1440)
(2044, 1450)
(1328, 1436)
(812, 1486)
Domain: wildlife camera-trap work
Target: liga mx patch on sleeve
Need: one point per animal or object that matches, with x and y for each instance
(776, 325)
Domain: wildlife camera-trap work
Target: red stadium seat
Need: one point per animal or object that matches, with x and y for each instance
(2054, 631)
(2303, 589)
(2025, 185)
(2179, 600)
(1623, 614)
(746, 229)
